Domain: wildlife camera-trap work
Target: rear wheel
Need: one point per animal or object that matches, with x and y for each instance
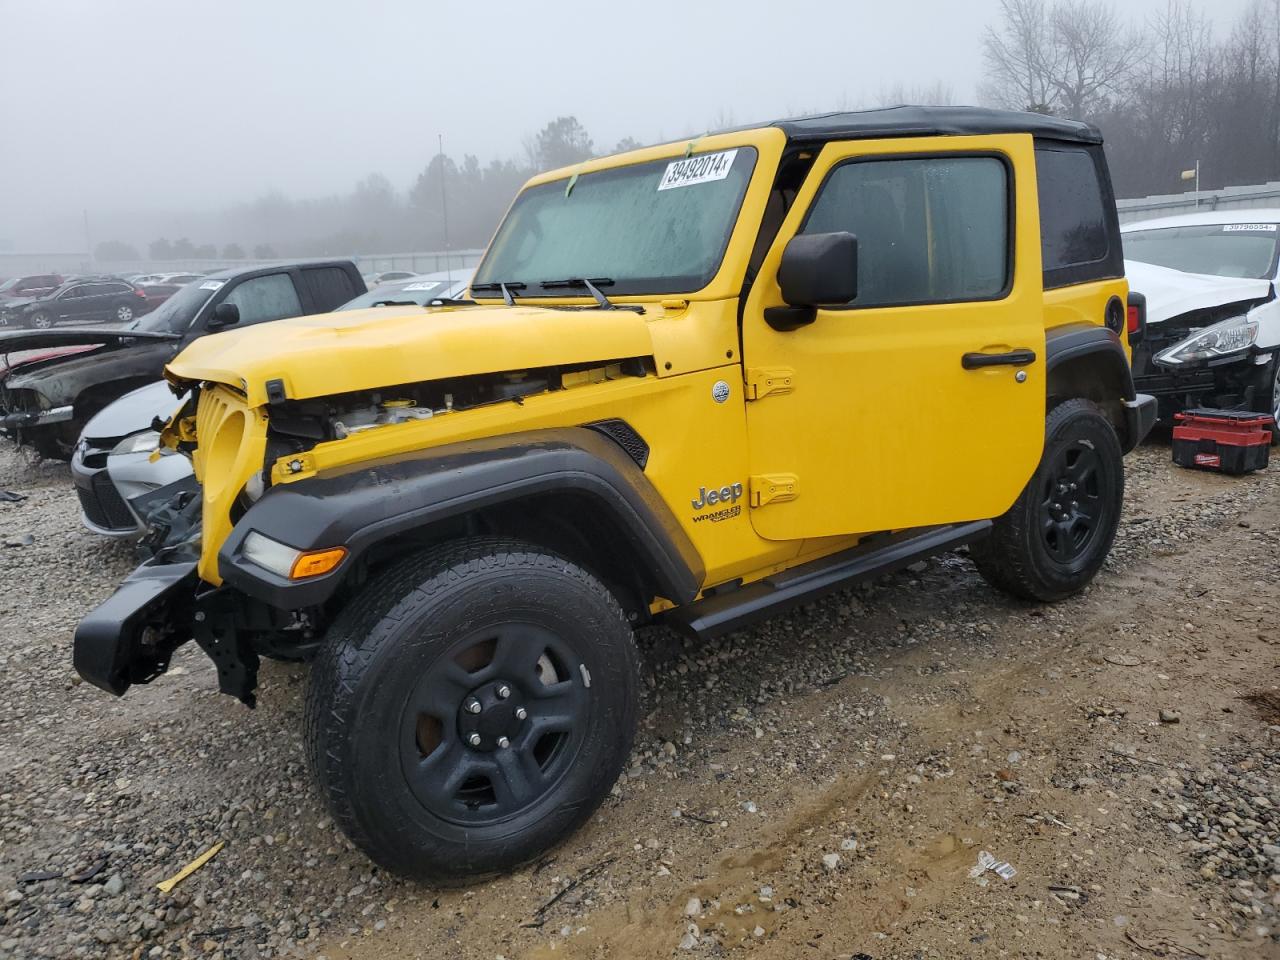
(1055, 537)
(124, 313)
(471, 708)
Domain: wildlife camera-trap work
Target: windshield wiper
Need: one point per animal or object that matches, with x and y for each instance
(575, 282)
(592, 287)
(505, 289)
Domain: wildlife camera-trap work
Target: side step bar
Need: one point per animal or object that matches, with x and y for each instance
(730, 610)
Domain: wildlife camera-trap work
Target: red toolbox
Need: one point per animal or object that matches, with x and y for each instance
(1229, 441)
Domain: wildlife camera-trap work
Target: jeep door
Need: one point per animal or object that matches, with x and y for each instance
(921, 400)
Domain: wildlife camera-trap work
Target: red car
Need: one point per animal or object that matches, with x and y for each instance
(34, 286)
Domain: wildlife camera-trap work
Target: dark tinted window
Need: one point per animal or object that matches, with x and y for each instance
(1074, 222)
(329, 287)
(116, 288)
(929, 230)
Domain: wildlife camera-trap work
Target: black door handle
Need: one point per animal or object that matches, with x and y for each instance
(1014, 358)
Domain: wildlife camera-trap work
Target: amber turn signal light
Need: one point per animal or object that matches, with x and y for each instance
(316, 562)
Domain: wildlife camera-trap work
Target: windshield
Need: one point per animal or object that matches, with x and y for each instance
(176, 314)
(1222, 249)
(10, 284)
(658, 227)
(420, 292)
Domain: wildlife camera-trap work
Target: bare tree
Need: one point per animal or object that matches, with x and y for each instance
(1021, 57)
(1095, 56)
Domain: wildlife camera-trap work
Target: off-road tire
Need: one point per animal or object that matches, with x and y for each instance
(399, 634)
(1018, 557)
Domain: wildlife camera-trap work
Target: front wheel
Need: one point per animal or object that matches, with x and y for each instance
(1053, 540)
(471, 708)
(41, 321)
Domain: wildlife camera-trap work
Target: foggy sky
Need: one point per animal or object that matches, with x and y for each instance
(112, 106)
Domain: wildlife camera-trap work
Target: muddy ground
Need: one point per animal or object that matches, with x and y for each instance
(819, 787)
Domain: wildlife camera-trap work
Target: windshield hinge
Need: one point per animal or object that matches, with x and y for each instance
(762, 381)
(773, 488)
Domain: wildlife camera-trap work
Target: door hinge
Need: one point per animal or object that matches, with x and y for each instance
(762, 381)
(773, 488)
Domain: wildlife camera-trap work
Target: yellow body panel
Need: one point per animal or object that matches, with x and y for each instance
(1084, 303)
(882, 427)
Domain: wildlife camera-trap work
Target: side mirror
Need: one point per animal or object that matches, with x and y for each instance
(224, 315)
(817, 270)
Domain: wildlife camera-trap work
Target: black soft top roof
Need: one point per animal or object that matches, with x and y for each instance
(911, 121)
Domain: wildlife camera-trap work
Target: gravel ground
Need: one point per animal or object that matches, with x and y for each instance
(821, 786)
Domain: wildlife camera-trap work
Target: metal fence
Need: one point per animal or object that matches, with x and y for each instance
(1228, 198)
(431, 261)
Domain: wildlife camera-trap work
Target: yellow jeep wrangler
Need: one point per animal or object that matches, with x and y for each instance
(699, 383)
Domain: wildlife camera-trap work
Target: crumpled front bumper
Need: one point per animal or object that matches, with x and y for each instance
(130, 636)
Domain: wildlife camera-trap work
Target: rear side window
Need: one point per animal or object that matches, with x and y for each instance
(329, 287)
(929, 229)
(1077, 217)
(272, 297)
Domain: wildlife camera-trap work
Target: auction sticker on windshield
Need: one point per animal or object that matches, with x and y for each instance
(212, 284)
(701, 169)
(1249, 227)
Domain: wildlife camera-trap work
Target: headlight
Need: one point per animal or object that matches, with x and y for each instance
(145, 442)
(287, 562)
(1234, 335)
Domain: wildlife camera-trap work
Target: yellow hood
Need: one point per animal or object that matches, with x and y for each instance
(383, 346)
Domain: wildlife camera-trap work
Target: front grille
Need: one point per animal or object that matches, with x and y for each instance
(104, 506)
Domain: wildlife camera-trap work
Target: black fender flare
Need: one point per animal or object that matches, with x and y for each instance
(361, 505)
(1101, 350)
(1101, 344)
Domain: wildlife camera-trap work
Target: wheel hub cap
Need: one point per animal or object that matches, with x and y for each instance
(491, 714)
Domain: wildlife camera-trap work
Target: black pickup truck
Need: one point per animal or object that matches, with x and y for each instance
(45, 399)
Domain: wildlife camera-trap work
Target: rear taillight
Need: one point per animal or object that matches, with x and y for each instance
(1136, 318)
(139, 292)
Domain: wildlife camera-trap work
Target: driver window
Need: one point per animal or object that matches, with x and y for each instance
(261, 299)
(929, 229)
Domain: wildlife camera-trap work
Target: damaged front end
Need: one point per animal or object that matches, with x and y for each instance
(241, 594)
(1204, 358)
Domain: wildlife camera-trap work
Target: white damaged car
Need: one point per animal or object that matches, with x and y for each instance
(1213, 319)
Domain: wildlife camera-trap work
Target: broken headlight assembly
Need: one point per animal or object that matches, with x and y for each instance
(1232, 336)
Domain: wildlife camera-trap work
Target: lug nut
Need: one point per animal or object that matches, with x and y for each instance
(503, 742)
(503, 692)
(473, 706)
(474, 739)
(521, 713)
(1057, 506)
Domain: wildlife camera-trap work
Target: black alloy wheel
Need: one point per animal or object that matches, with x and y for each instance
(1072, 508)
(493, 725)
